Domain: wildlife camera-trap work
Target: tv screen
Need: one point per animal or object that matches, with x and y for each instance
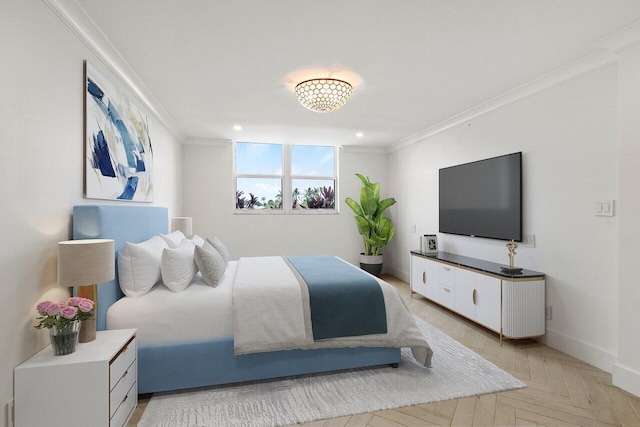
(483, 198)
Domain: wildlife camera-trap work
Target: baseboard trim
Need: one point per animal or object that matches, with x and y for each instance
(594, 356)
(626, 378)
(402, 275)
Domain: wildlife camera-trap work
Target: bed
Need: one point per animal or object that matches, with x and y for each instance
(195, 360)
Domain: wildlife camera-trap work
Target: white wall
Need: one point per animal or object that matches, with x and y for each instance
(41, 167)
(626, 373)
(209, 199)
(570, 160)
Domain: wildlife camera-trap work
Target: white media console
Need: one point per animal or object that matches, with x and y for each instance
(510, 304)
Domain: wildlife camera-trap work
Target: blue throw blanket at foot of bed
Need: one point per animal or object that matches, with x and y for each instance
(345, 301)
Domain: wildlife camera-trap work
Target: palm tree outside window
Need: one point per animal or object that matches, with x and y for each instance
(264, 172)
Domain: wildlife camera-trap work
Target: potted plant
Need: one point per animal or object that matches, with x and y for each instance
(375, 228)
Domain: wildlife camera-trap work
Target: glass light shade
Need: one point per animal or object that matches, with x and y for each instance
(323, 95)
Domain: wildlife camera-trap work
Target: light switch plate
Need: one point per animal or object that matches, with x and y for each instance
(604, 208)
(528, 240)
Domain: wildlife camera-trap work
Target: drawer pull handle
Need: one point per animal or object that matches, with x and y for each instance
(447, 289)
(424, 277)
(126, 372)
(125, 399)
(475, 297)
(446, 269)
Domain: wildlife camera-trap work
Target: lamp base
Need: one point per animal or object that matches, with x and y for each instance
(87, 330)
(88, 327)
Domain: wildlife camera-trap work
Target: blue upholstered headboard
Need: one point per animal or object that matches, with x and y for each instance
(122, 224)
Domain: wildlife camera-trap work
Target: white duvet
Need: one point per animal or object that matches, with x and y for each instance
(199, 313)
(271, 312)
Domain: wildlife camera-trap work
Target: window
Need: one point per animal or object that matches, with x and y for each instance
(264, 172)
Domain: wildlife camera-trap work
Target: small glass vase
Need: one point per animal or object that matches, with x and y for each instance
(64, 339)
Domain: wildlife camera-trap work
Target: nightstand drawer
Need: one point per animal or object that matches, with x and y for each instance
(127, 406)
(119, 392)
(123, 360)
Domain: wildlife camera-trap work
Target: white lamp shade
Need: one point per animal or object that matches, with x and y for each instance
(182, 223)
(86, 262)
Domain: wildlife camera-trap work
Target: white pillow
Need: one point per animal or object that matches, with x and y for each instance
(210, 264)
(196, 240)
(178, 267)
(220, 247)
(139, 266)
(173, 239)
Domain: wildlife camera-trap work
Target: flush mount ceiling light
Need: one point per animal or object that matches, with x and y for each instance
(323, 95)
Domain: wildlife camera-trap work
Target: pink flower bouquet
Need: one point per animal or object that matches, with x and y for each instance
(63, 313)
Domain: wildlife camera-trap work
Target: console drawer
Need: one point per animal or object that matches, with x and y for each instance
(448, 276)
(447, 296)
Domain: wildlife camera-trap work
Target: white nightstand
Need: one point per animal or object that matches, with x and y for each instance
(94, 386)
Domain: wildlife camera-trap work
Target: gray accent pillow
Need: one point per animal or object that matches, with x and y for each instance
(220, 247)
(210, 263)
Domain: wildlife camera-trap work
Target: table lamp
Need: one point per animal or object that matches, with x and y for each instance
(85, 263)
(184, 224)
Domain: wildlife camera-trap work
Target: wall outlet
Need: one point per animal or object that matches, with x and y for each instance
(413, 228)
(547, 312)
(529, 240)
(604, 208)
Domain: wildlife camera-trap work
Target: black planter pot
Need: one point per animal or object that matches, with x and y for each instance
(371, 264)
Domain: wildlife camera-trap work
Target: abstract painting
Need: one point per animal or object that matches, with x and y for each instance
(118, 152)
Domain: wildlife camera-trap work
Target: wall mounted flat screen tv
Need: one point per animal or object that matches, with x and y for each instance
(483, 198)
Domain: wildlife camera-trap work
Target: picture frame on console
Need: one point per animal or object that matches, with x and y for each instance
(430, 244)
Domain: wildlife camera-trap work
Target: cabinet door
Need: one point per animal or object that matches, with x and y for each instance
(432, 282)
(424, 277)
(418, 275)
(465, 290)
(488, 301)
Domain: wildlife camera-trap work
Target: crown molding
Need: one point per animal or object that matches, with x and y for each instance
(208, 142)
(75, 17)
(561, 75)
(620, 40)
(363, 149)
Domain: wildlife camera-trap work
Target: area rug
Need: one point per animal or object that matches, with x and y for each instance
(456, 372)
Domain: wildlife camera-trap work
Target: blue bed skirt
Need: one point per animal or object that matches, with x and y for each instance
(206, 363)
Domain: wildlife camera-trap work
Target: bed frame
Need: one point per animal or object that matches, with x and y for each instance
(201, 363)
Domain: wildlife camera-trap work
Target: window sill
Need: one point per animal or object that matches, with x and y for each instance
(281, 212)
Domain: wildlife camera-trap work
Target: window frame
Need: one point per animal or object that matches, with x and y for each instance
(287, 183)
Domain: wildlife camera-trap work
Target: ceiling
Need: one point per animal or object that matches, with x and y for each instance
(213, 64)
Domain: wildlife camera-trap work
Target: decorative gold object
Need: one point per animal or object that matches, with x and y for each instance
(512, 246)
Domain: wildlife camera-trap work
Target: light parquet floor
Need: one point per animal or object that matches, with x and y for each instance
(561, 390)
